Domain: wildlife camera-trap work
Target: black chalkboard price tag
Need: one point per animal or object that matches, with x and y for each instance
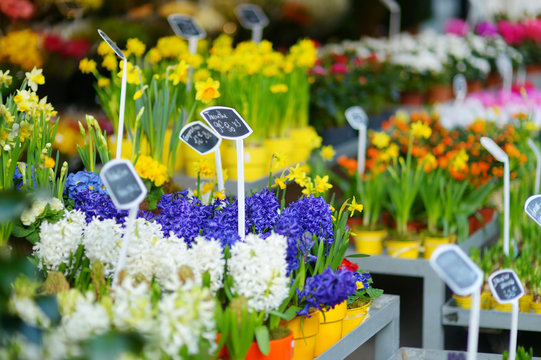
(124, 185)
(186, 26)
(505, 286)
(227, 122)
(356, 117)
(251, 16)
(200, 138)
(112, 44)
(532, 207)
(457, 270)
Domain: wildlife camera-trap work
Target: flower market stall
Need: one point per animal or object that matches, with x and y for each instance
(172, 190)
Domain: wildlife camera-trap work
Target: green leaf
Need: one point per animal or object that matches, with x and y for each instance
(112, 345)
(262, 338)
(287, 315)
(357, 255)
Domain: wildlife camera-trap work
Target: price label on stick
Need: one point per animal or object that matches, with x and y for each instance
(227, 122)
(356, 117)
(126, 188)
(532, 207)
(505, 286)
(186, 26)
(457, 270)
(494, 149)
(251, 16)
(200, 138)
(112, 44)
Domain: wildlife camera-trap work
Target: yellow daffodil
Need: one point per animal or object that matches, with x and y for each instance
(322, 184)
(104, 49)
(421, 130)
(207, 90)
(87, 66)
(35, 78)
(133, 73)
(180, 73)
(354, 206)
(201, 75)
(219, 195)
(278, 88)
(135, 46)
(48, 162)
(381, 139)
(281, 182)
(103, 82)
(207, 187)
(25, 130)
(139, 93)
(154, 56)
(327, 152)
(5, 78)
(296, 173)
(278, 161)
(110, 62)
(150, 169)
(204, 168)
(460, 161)
(25, 100)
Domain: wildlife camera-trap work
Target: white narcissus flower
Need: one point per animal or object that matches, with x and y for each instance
(59, 240)
(259, 270)
(184, 317)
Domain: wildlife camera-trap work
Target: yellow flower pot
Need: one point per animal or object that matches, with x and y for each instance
(536, 307)
(369, 241)
(282, 146)
(487, 300)
(503, 307)
(303, 142)
(354, 317)
(330, 328)
(255, 162)
(304, 330)
(465, 301)
(432, 243)
(462, 301)
(525, 302)
(407, 249)
(191, 156)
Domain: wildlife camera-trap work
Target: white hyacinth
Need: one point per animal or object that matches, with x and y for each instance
(102, 242)
(89, 318)
(208, 257)
(185, 316)
(59, 240)
(259, 267)
(132, 307)
(30, 215)
(140, 260)
(27, 309)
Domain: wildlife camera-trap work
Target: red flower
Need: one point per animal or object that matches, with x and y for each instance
(339, 69)
(348, 265)
(17, 8)
(77, 48)
(341, 59)
(513, 34)
(53, 43)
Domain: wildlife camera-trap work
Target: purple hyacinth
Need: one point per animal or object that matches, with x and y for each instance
(327, 289)
(96, 204)
(262, 212)
(223, 224)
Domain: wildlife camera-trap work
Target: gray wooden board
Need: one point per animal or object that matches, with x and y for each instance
(428, 354)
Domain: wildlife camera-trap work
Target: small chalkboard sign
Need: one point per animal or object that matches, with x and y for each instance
(456, 269)
(199, 137)
(126, 188)
(356, 117)
(532, 207)
(505, 286)
(227, 122)
(251, 16)
(111, 43)
(186, 26)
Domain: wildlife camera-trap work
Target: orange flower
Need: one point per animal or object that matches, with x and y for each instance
(512, 150)
(497, 171)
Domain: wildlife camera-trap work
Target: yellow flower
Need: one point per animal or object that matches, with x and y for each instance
(154, 56)
(531, 126)
(219, 195)
(104, 49)
(421, 130)
(315, 141)
(180, 73)
(278, 161)
(207, 90)
(281, 182)
(201, 75)
(278, 88)
(132, 73)
(139, 93)
(354, 206)
(204, 168)
(150, 169)
(25, 130)
(327, 152)
(35, 78)
(460, 161)
(87, 66)
(207, 187)
(103, 82)
(5, 78)
(322, 183)
(26, 101)
(296, 174)
(194, 60)
(110, 62)
(172, 47)
(135, 46)
(48, 162)
(381, 139)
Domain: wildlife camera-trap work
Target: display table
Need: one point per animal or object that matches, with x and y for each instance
(491, 319)
(433, 287)
(428, 354)
(382, 323)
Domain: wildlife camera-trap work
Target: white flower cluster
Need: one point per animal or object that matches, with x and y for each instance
(259, 270)
(38, 207)
(59, 240)
(515, 10)
(102, 242)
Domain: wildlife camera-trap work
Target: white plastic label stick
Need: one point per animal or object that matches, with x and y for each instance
(240, 186)
(537, 153)
(219, 172)
(130, 222)
(473, 331)
(394, 19)
(361, 151)
(514, 330)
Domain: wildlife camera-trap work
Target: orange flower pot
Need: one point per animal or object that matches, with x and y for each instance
(279, 349)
